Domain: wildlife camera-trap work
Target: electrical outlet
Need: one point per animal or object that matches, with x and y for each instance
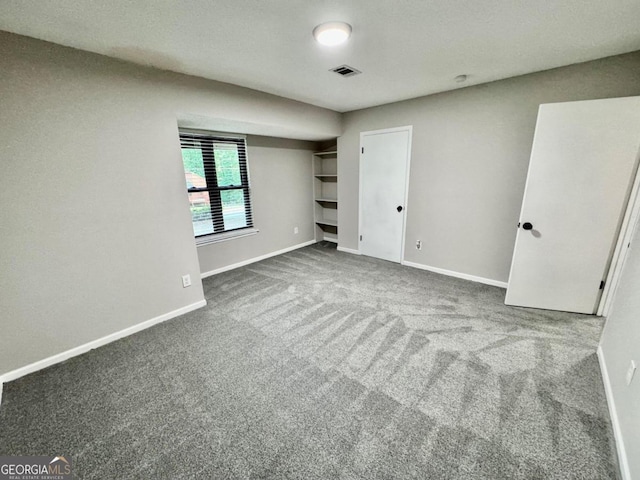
(295, 230)
(186, 281)
(419, 244)
(630, 372)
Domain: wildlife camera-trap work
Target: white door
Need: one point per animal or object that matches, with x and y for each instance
(581, 170)
(384, 166)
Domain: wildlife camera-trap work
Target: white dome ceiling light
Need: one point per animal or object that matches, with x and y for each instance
(332, 33)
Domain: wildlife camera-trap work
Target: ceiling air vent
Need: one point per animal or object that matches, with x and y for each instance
(346, 71)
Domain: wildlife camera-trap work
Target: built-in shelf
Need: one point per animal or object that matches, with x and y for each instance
(329, 230)
(328, 203)
(325, 191)
(327, 153)
(327, 178)
(324, 221)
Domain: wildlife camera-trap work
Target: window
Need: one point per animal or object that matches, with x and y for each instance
(215, 169)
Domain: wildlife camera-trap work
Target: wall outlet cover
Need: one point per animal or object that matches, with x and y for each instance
(186, 281)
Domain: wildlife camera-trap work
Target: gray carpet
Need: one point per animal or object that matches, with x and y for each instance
(320, 364)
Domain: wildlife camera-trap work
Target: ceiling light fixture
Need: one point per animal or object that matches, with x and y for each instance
(461, 78)
(332, 33)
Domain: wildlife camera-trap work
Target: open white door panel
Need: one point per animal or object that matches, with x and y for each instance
(582, 167)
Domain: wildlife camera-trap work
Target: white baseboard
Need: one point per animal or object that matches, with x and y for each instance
(450, 273)
(617, 433)
(74, 352)
(255, 259)
(348, 250)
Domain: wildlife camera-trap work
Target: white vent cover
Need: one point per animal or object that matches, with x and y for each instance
(346, 71)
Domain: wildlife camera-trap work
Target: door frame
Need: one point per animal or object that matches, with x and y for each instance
(406, 128)
(630, 218)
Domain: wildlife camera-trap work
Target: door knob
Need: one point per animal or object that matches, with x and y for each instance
(527, 226)
(399, 208)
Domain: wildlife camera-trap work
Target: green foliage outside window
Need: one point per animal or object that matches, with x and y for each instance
(227, 165)
(192, 159)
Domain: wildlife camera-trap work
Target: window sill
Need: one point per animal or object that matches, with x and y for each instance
(223, 237)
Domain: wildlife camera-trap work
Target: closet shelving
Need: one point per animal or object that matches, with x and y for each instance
(325, 194)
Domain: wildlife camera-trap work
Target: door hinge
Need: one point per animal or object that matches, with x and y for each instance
(601, 284)
(362, 149)
(360, 237)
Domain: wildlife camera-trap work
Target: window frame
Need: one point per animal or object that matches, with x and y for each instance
(205, 141)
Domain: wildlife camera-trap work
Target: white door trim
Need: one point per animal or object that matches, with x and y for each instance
(409, 130)
(629, 221)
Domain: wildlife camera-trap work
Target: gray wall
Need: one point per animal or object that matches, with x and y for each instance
(281, 194)
(94, 216)
(620, 343)
(469, 161)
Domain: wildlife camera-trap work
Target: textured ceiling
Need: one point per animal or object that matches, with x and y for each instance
(405, 48)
